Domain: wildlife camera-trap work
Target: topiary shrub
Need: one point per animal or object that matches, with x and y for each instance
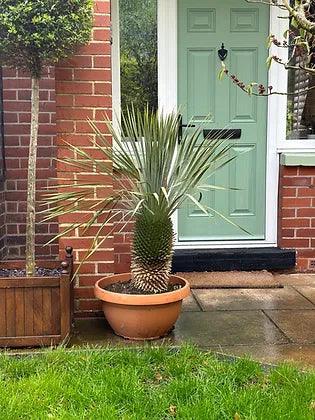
(34, 34)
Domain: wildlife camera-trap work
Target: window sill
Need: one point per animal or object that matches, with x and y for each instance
(297, 159)
(296, 146)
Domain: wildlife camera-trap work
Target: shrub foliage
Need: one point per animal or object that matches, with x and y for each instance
(34, 33)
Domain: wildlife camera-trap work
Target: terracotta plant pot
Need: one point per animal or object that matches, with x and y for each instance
(141, 317)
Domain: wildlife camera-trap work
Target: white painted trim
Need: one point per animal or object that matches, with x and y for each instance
(278, 79)
(167, 47)
(274, 125)
(167, 55)
(225, 244)
(296, 146)
(167, 65)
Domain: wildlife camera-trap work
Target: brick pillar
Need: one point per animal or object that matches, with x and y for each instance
(83, 91)
(297, 217)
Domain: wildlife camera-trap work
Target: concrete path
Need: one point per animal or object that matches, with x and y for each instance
(270, 325)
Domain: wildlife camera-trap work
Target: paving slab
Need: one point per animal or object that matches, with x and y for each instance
(251, 299)
(299, 326)
(295, 279)
(272, 326)
(202, 328)
(96, 332)
(226, 328)
(190, 304)
(302, 355)
(308, 292)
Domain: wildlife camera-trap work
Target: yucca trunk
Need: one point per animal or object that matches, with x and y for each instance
(152, 253)
(31, 182)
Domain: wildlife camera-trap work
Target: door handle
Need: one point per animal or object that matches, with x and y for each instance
(223, 133)
(181, 126)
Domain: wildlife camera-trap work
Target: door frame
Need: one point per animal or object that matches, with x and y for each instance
(168, 91)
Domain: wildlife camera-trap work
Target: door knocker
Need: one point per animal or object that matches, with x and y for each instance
(222, 52)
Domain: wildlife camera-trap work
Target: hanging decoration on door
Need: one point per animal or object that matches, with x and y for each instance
(222, 52)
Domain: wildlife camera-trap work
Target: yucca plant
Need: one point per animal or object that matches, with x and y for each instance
(155, 173)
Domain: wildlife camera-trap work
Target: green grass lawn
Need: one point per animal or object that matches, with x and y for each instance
(156, 383)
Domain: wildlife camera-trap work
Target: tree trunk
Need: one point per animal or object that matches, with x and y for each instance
(152, 253)
(31, 182)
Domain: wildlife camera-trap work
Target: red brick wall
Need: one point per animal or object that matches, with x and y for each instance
(2, 196)
(2, 222)
(297, 213)
(122, 247)
(83, 90)
(122, 244)
(17, 106)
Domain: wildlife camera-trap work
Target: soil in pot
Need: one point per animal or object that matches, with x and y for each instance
(21, 272)
(128, 289)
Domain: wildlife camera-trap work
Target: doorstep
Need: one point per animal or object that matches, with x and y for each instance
(233, 259)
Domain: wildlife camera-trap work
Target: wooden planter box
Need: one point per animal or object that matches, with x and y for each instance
(36, 311)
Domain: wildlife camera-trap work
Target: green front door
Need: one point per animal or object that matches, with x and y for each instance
(203, 25)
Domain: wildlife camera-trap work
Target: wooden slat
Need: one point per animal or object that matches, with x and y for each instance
(28, 311)
(34, 311)
(20, 312)
(55, 306)
(10, 312)
(9, 282)
(38, 311)
(3, 323)
(65, 305)
(72, 299)
(47, 314)
(30, 341)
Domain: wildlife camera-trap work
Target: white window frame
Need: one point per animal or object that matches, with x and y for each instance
(279, 80)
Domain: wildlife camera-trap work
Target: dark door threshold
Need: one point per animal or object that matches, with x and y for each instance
(235, 259)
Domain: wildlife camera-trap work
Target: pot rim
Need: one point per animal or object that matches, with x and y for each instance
(142, 300)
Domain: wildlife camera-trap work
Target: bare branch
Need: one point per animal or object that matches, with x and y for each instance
(298, 13)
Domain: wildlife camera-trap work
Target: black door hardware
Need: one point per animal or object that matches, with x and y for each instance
(181, 126)
(229, 134)
(222, 52)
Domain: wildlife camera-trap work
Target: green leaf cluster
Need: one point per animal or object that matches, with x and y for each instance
(35, 33)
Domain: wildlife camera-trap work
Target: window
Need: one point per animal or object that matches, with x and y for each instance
(301, 106)
(138, 54)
